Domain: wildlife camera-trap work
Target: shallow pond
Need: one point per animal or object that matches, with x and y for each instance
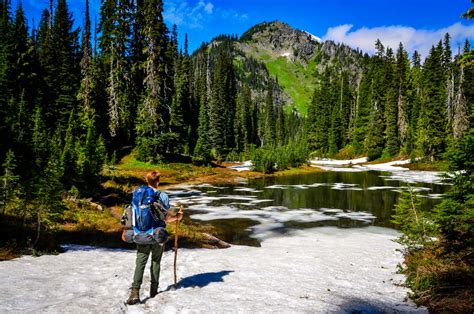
(261, 208)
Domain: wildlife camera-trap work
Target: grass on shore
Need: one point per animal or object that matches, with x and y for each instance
(427, 165)
(442, 281)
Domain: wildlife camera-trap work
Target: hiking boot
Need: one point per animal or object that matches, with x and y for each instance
(153, 290)
(134, 297)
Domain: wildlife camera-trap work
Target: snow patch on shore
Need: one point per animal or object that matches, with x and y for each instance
(390, 166)
(323, 269)
(336, 162)
(397, 173)
(243, 166)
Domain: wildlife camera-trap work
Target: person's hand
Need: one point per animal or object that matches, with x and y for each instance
(179, 216)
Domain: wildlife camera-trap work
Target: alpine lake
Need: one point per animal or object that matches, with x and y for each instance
(252, 210)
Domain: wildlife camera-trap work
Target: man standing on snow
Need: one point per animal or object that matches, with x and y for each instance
(156, 249)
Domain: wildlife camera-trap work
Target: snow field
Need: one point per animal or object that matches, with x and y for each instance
(313, 270)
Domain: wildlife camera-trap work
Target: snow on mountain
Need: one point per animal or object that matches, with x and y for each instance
(315, 38)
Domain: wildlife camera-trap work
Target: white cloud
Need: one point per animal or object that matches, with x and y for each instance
(412, 38)
(195, 14)
(208, 8)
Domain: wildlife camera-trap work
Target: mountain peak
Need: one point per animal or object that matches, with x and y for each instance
(273, 28)
(280, 39)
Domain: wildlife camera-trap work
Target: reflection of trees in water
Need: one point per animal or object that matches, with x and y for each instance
(293, 192)
(380, 203)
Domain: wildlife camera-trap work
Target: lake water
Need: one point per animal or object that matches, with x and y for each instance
(248, 212)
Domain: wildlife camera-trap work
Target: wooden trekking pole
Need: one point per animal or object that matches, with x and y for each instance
(176, 245)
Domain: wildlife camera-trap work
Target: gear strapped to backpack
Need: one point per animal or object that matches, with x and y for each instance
(144, 218)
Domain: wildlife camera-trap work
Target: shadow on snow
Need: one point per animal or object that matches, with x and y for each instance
(201, 280)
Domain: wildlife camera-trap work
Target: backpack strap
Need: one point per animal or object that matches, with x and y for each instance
(159, 211)
(140, 203)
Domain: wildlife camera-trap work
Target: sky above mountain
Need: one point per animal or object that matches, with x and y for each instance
(418, 24)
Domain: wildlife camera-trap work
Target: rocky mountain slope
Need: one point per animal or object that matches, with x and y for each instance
(293, 58)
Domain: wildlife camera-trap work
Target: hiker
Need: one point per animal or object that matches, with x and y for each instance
(160, 205)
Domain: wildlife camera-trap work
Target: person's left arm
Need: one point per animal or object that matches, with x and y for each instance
(171, 215)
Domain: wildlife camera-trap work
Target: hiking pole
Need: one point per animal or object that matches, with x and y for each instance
(176, 245)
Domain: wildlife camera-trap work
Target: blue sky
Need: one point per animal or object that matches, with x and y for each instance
(418, 23)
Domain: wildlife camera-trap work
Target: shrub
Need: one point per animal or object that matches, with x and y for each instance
(269, 159)
(415, 224)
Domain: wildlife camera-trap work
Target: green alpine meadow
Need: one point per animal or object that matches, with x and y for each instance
(342, 169)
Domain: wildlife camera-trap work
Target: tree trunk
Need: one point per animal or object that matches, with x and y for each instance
(38, 229)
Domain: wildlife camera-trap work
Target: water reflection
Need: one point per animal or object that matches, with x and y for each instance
(269, 206)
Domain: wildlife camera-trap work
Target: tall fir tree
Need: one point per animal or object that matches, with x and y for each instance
(320, 110)
(67, 72)
(391, 106)
(5, 69)
(39, 139)
(363, 107)
(150, 121)
(85, 90)
(375, 139)
(270, 130)
(402, 73)
(202, 149)
(431, 124)
(414, 97)
(9, 185)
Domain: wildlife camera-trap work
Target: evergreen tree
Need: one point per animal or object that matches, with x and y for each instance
(69, 154)
(311, 122)
(39, 139)
(216, 107)
(363, 108)
(9, 184)
(391, 107)
(150, 118)
(414, 223)
(467, 46)
(20, 58)
(239, 131)
(375, 140)
(19, 124)
(270, 131)
(203, 146)
(5, 65)
(49, 187)
(85, 90)
(280, 127)
(66, 47)
(346, 108)
(403, 107)
(447, 53)
(222, 103)
(460, 124)
(414, 97)
(334, 136)
(322, 103)
(431, 124)
(116, 27)
(180, 102)
(48, 63)
(137, 54)
(469, 14)
(455, 215)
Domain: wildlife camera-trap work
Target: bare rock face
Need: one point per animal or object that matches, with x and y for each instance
(283, 40)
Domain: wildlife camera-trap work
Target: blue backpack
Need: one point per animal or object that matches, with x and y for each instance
(147, 219)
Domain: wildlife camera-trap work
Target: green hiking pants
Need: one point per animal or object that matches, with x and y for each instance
(143, 251)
